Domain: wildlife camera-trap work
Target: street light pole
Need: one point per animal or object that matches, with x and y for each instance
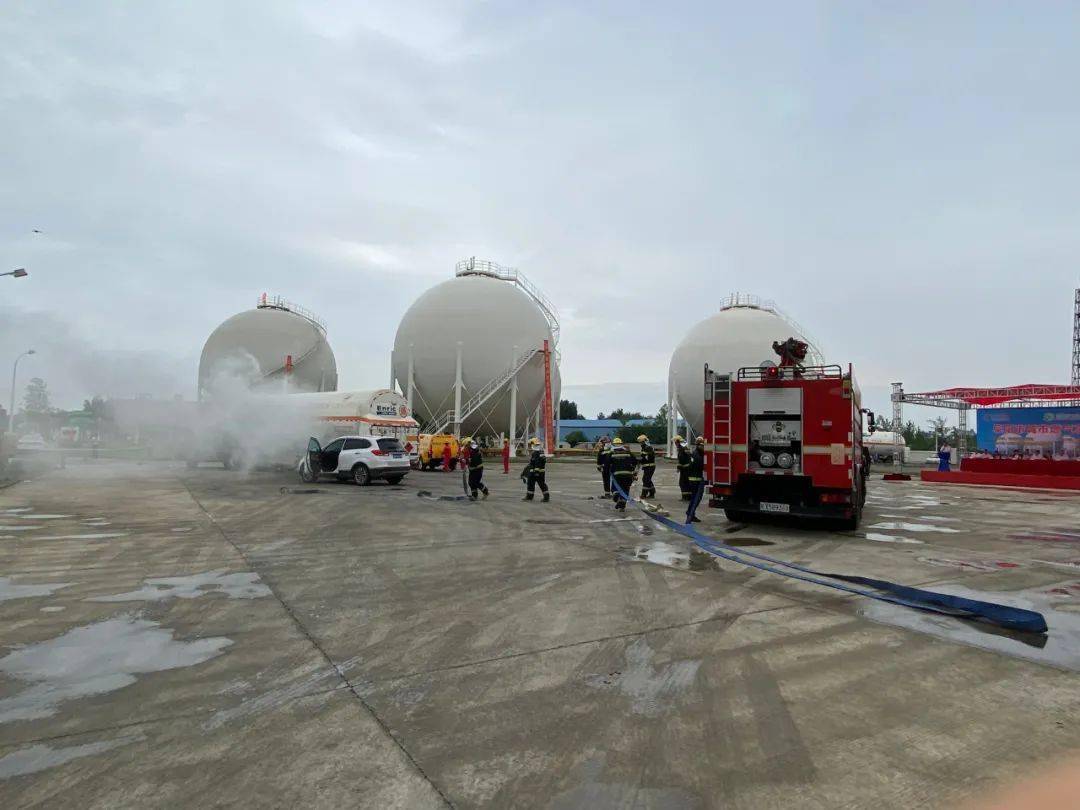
(14, 369)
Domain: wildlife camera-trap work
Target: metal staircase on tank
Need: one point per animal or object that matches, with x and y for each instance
(478, 399)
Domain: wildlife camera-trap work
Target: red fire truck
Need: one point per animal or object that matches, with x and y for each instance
(786, 439)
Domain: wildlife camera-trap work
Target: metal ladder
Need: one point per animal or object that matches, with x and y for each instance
(720, 417)
(483, 395)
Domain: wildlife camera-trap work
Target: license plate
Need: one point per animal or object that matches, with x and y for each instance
(766, 506)
(398, 455)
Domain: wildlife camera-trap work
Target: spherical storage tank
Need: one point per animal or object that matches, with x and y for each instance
(740, 334)
(489, 310)
(250, 350)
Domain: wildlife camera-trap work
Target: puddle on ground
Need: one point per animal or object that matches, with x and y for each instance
(17, 509)
(899, 525)
(42, 517)
(93, 660)
(700, 561)
(650, 688)
(1059, 647)
(11, 590)
(181, 529)
(52, 609)
(41, 757)
(235, 586)
(1047, 536)
(748, 541)
(974, 565)
(561, 522)
(98, 536)
(276, 544)
(661, 553)
(889, 538)
(23, 528)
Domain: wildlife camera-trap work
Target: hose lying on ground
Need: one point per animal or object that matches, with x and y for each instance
(1011, 618)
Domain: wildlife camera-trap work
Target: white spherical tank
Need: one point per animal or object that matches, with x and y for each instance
(740, 334)
(488, 316)
(250, 350)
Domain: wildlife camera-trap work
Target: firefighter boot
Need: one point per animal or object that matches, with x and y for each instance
(547, 497)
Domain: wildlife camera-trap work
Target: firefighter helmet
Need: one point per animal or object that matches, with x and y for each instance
(679, 440)
(616, 440)
(643, 439)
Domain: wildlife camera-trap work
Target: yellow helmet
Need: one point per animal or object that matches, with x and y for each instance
(679, 439)
(616, 440)
(466, 439)
(700, 440)
(642, 438)
(533, 441)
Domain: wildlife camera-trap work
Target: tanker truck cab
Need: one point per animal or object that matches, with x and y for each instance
(362, 459)
(785, 440)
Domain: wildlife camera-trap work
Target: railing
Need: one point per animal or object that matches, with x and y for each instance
(277, 302)
(482, 267)
(481, 396)
(736, 300)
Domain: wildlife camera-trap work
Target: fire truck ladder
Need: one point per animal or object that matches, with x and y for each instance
(721, 428)
(477, 400)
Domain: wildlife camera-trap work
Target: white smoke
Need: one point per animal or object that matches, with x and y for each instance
(247, 424)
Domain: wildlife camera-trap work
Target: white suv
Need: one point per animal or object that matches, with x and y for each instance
(362, 458)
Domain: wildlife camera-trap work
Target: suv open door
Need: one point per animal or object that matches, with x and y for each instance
(310, 471)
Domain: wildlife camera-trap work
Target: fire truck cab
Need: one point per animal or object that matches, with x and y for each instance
(786, 440)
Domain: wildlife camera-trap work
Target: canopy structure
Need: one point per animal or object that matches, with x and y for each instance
(961, 398)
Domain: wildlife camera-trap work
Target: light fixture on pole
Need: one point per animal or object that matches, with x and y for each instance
(19, 273)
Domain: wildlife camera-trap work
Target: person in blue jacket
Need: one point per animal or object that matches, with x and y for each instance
(944, 455)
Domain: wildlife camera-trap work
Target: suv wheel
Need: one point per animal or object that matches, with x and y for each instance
(361, 475)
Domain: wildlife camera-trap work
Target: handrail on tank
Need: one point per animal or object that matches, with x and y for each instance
(482, 267)
(277, 302)
(750, 301)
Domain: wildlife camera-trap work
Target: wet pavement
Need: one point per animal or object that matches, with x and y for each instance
(187, 638)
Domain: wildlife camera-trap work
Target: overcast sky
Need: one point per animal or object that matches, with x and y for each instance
(903, 178)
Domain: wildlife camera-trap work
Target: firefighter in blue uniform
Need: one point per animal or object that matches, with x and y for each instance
(535, 474)
(623, 467)
(476, 471)
(603, 464)
(648, 467)
(682, 463)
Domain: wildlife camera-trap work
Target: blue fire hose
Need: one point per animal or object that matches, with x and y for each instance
(1011, 618)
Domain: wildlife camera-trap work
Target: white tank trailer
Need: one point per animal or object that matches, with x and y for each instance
(740, 334)
(253, 349)
(468, 354)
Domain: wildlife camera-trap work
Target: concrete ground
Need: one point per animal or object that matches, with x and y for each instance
(202, 638)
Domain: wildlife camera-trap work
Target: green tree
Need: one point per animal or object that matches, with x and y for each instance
(624, 416)
(575, 437)
(36, 398)
(568, 409)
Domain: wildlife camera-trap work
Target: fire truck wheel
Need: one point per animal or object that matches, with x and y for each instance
(734, 517)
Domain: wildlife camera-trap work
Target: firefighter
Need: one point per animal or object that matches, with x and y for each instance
(506, 456)
(476, 471)
(696, 478)
(683, 464)
(603, 464)
(623, 467)
(447, 456)
(536, 472)
(648, 467)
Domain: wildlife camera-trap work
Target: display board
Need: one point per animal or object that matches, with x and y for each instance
(1041, 432)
